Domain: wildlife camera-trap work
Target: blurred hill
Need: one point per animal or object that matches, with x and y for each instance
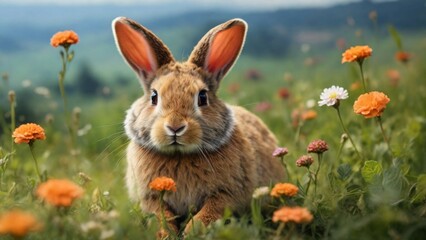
(25, 31)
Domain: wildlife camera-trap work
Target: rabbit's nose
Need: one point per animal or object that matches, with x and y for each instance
(176, 130)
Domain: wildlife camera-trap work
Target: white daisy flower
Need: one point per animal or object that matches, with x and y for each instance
(260, 191)
(331, 96)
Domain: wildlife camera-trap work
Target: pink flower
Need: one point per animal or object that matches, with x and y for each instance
(280, 152)
(304, 161)
(317, 146)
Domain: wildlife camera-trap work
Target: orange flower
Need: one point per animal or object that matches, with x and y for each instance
(27, 133)
(357, 53)
(402, 56)
(292, 214)
(18, 223)
(355, 86)
(65, 39)
(59, 192)
(371, 104)
(163, 184)
(309, 115)
(286, 189)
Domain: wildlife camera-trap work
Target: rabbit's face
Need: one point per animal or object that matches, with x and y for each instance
(180, 114)
(179, 111)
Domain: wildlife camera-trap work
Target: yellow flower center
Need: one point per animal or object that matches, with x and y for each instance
(333, 95)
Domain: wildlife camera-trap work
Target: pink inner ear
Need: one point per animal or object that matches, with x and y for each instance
(135, 48)
(225, 48)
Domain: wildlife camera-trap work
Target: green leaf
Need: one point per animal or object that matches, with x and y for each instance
(344, 171)
(414, 128)
(392, 178)
(393, 184)
(395, 35)
(420, 189)
(370, 170)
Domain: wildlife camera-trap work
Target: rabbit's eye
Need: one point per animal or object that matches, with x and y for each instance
(202, 98)
(154, 97)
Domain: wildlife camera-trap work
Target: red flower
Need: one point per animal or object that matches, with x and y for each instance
(402, 56)
(283, 93)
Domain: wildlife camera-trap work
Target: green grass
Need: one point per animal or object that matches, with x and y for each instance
(352, 201)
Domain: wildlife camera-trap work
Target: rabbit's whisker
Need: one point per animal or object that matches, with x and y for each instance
(200, 150)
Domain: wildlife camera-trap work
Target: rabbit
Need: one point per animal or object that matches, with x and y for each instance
(216, 153)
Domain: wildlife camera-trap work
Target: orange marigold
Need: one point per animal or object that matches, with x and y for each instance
(27, 133)
(65, 39)
(163, 184)
(309, 115)
(18, 223)
(286, 189)
(292, 214)
(371, 104)
(59, 192)
(357, 53)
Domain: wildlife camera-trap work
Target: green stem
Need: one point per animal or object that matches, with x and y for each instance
(35, 160)
(364, 85)
(12, 127)
(290, 232)
(339, 153)
(379, 120)
(3, 123)
(299, 127)
(163, 217)
(279, 230)
(316, 174)
(347, 133)
(309, 182)
(285, 167)
(62, 74)
(256, 212)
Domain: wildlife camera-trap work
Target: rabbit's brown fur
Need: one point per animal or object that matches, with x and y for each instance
(220, 154)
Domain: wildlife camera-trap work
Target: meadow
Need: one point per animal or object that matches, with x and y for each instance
(375, 190)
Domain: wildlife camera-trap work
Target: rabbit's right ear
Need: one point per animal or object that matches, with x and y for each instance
(141, 49)
(218, 50)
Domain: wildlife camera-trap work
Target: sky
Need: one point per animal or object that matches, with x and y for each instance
(221, 3)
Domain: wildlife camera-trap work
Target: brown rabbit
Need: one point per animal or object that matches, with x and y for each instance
(216, 153)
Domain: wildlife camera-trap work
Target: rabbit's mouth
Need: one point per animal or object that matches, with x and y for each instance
(175, 143)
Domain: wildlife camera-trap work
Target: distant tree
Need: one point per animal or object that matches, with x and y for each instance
(272, 42)
(87, 82)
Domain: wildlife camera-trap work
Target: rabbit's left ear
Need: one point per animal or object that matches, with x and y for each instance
(218, 50)
(141, 49)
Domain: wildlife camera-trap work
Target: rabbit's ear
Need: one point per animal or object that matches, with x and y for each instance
(141, 49)
(218, 50)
